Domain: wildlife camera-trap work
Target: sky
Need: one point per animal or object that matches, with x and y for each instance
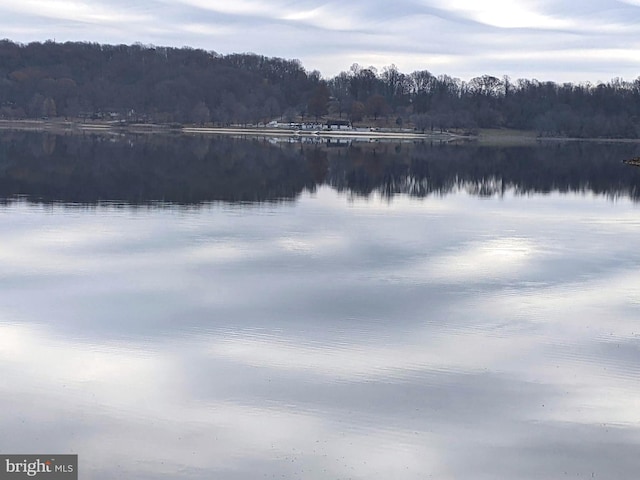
(559, 40)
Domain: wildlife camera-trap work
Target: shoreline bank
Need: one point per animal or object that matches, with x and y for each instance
(68, 126)
(494, 136)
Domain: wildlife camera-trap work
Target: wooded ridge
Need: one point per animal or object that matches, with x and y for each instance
(141, 83)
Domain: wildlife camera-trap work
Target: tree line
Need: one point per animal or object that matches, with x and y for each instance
(144, 83)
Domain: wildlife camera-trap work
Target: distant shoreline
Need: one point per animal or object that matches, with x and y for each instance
(72, 126)
(492, 136)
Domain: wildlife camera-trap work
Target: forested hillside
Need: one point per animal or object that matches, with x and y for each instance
(147, 83)
(184, 85)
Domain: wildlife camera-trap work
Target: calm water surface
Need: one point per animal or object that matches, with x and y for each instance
(237, 309)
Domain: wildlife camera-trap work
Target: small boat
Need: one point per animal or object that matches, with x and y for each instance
(633, 161)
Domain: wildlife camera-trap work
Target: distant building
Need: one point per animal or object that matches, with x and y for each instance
(338, 125)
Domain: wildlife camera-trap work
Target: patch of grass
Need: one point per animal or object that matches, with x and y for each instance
(506, 136)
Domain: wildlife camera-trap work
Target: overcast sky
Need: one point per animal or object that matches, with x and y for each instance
(560, 40)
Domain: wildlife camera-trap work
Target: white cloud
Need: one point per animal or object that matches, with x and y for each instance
(499, 13)
(323, 18)
(76, 11)
(237, 7)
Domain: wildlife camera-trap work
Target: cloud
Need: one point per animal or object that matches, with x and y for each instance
(497, 13)
(78, 11)
(464, 38)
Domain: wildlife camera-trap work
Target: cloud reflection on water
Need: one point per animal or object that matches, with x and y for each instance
(346, 339)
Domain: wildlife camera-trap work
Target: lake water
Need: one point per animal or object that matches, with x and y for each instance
(220, 308)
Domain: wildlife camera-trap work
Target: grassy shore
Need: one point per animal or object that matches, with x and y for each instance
(506, 136)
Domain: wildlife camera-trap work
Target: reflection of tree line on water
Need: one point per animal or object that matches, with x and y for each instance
(192, 170)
